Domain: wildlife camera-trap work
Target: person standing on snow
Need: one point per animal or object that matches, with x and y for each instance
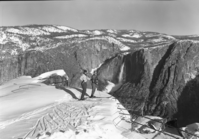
(94, 81)
(84, 78)
(66, 80)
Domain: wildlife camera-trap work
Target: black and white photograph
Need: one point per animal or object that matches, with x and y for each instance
(99, 69)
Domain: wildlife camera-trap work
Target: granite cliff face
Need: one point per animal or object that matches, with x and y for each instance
(158, 73)
(161, 81)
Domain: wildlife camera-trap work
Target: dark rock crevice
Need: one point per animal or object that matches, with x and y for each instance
(188, 103)
(134, 66)
(160, 66)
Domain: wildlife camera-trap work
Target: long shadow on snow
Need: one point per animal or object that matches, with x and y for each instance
(80, 90)
(68, 91)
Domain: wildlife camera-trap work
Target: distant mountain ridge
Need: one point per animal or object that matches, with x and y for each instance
(22, 38)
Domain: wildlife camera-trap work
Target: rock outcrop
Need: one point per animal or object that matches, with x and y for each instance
(160, 81)
(84, 56)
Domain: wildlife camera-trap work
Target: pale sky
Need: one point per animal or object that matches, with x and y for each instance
(180, 17)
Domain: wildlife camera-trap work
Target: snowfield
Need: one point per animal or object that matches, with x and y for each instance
(67, 28)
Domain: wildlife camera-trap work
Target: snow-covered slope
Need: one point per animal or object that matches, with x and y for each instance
(30, 109)
(37, 111)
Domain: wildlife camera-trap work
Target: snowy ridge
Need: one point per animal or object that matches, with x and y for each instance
(67, 28)
(51, 29)
(112, 31)
(188, 40)
(126, 40)
(97, 32)
(148, 35)
(168, 37)
(43, 30)
(28, 31)
(57, 29)
(93, 32)
(132, 35)
(157, 46)
(71, 36)
(154, 40)
(122, 47)
(46, 48)
(151, 35)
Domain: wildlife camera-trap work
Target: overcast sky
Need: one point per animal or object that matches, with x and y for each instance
(172, 17)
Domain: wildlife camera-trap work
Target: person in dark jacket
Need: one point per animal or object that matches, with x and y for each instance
(84, 78)
(94, 82)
